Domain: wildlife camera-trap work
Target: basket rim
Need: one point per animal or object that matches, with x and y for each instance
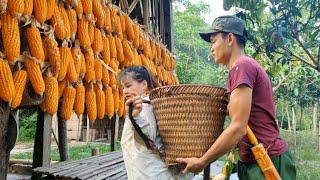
(160, 91)
(191, 85)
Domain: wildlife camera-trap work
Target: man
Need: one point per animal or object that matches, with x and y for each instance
(251, 103)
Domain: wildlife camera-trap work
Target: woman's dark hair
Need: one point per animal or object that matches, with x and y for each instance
(241, 40)
(139, 73)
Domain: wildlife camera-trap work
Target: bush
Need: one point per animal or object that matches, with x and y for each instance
(27, 127)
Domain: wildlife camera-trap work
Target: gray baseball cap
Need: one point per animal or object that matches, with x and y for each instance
(227, 24)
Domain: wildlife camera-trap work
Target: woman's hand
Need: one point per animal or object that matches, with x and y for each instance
(136, 105)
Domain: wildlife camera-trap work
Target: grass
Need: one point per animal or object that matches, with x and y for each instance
(305, 153)
(75, 152)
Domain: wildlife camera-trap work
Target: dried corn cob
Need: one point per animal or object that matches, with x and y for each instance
(101, 102)
(64, 61)
(105, 77)
(87, 8)
(20, 81)
(69, 95)
(107, 23)
(11, 43)
(109, 101)
(83, 33)
(91, 32)
(40, 10)
(120, 55)
(72, 15)
(79, 9)
(106, 50)
(89, 57)
(121, 110)
(115, 93)
(65, 18)
(53, 54)
(98, 69)
(113, 48)
(7, 89)
(97, 44)
(128, 54)
(91, 104)
(51, 4)
(98, 13)
(129, 28)
(35, 75)
(58, 23)
(51, 95)
(28, 8)
(35, 43)
(16, 7)
(113, 80)
(80, 99)
(72, 72)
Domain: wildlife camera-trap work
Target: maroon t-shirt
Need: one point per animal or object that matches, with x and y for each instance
(262, 116)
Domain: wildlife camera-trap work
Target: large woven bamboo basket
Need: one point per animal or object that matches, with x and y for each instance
(190, 118)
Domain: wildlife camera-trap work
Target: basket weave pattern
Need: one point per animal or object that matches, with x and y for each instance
(190, 118)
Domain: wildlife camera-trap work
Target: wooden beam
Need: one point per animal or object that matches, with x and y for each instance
(63, 140)
(206, 174)
(42, 142)
(146, 14)
(113, 120)
(47, 124)
(167, 13)
(4, 154)
(132, 6)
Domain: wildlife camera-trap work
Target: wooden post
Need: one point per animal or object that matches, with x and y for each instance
(95, 152)
(206, 173)
(63, 140)
(146, 14)
(88, 127)
(168, 15)
(113, 119)
(42, 142)
(116, 129)
(4, 154)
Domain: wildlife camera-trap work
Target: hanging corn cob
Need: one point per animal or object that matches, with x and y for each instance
(35, 43)
(7, 89)
(91, 104)
(69, 95)
(11, 44)
(109, 101)
(34, 74)
(20, 80)
(80, 99)
(101, 101)
(40, 9)
(16, 7)
(51, 94)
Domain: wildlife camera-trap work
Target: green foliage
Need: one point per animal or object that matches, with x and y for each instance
(194, 64)
(27, 127)
(305, 153)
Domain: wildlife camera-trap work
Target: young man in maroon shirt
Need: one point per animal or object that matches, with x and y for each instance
(251, 103)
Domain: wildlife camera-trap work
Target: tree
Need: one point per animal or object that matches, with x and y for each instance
(194, 64)
(290, 28)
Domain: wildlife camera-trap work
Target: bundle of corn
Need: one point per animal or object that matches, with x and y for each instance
(71, 51)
